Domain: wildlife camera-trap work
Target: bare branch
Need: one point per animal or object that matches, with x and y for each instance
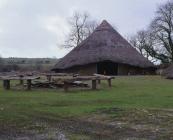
(81, 27)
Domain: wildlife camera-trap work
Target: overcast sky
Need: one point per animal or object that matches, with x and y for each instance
(35, 28)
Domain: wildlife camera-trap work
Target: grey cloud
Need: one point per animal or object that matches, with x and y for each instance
(33, 28)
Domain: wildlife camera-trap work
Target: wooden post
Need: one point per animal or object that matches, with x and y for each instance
(6, 84)
(21, 82)
(29, 84)
(109, 82)
(99, 81)
(66, 86)
(94, 84)
(49, 78)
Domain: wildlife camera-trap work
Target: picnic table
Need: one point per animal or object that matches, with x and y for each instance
(94, 79)
(7, 79)
(66, 79)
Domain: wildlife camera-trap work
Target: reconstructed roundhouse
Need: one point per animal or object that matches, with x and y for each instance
(106, 52)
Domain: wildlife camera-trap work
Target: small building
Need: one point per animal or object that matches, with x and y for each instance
(168, 72)
(106, 52)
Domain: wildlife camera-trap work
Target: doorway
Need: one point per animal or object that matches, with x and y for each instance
(107, 68)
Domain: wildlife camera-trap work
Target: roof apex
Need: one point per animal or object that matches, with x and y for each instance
(104, 26)
(104, 22)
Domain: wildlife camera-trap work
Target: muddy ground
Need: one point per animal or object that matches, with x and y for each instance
(106, 124)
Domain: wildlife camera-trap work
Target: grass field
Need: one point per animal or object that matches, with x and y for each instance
(139, 98)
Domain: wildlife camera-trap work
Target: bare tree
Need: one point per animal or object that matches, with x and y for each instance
(143, 42)
(81, 27)
(157, 41)
(139, 41)
(162, 31)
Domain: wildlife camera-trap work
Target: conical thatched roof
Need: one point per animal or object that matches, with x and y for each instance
(105, 43)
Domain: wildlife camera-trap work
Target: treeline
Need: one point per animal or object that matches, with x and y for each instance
(27, 64)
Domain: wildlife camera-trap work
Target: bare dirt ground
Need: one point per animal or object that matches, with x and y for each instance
(106, 124)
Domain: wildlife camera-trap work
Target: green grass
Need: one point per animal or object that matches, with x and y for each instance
(24, 107)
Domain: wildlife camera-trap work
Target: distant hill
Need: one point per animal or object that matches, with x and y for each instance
(28, 64)
(13, 60)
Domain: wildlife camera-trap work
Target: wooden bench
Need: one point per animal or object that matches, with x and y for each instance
(94, 80)
(104, 77)
(7, 79)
